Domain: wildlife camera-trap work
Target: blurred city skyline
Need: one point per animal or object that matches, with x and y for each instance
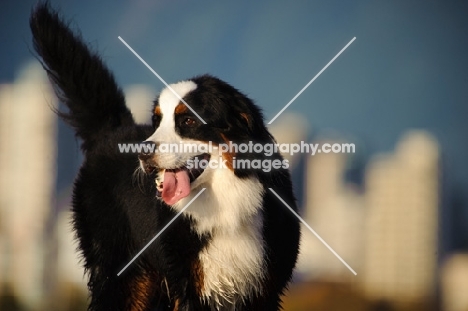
(407, 68)
(390, 225)
(407, 72)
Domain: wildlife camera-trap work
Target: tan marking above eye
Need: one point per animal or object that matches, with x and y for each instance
(157, 110)
(181, 108)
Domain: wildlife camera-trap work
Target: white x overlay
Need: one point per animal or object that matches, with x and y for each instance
(160, 232)
(277, 115)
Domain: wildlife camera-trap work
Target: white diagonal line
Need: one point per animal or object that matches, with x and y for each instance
(313, 79)
(313, 231)
(160, 78)
(160, 232)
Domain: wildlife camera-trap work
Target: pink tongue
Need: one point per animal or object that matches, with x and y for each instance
(176, 186)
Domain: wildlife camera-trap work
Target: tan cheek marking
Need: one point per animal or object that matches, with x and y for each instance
(229, 160)
(228, 156)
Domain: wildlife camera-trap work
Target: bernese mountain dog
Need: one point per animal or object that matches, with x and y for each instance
(233, 248)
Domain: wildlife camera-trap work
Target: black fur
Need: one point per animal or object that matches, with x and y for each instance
(115, 216)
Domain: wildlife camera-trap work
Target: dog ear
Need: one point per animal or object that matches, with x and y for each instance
(250, 116)
(246, 119)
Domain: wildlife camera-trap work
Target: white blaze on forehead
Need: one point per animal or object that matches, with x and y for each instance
(168, 102)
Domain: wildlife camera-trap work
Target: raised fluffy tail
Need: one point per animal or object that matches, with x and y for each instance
(96, 104)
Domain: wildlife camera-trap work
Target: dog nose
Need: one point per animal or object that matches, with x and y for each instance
(147, 150)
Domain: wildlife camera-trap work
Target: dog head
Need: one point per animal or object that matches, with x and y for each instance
(191, 135)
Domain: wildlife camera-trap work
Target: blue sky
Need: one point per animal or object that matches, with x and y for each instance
(407, 68)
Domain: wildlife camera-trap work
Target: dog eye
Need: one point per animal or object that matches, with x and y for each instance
(189, 122)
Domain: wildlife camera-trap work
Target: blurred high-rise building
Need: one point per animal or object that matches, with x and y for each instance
(454, 283)
(290, 128)
(334, 209)
(70, 285)
(27, 181)
(402, 199)
(139, 99)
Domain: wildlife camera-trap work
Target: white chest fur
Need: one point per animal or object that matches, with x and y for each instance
(230, 209)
